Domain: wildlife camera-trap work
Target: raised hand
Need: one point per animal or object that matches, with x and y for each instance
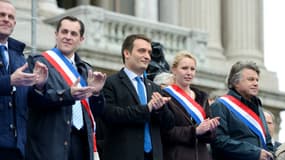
(96, 81)
(207, 125)
(20, 78)
(79, 93)
(265, 155)
(41, 72)
(157, 101)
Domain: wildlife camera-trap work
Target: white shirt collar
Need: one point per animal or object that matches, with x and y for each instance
(71, 59)
(6, 45)
(132, 75)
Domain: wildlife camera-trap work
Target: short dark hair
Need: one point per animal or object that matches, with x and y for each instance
(73, 19)
(129, 43)
(235, 73)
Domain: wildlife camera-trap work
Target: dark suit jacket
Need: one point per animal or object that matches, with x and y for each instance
(50, 114)
(13, 107)
(125, 120)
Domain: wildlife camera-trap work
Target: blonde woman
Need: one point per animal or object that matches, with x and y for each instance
(193, 129)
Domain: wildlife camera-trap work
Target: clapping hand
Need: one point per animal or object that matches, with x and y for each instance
(157, 101)
(41, 72)
(20, 78)
(208, 125)
(96, 81)
(78, 92)
(265, 155)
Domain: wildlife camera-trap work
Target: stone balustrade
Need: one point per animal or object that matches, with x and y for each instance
(106, 30)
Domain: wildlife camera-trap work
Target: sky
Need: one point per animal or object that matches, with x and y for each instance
(274, 33)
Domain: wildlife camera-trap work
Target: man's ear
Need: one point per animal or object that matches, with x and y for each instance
(82, 39)
(126, 53)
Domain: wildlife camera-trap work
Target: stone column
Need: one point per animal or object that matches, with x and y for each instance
(243, 30)
(22, 5)
(147, 9)
(168, 11)
(105, 4)
(205, 15)
(83, 2)
(49, 8)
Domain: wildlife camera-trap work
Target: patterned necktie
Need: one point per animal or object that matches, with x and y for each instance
(77, 117)
(3, 56)
(142, 96)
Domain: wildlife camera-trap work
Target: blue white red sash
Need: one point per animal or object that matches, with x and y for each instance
(193, 109)
(70, 75)
(243, 112)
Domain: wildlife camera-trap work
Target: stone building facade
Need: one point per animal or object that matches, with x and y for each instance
(217, 32)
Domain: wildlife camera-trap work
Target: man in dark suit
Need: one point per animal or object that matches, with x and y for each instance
(132, 123)
(242, 133)
(14, 82)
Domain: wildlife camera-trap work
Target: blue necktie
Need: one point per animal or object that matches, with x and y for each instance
(142, 96)
(3, 56)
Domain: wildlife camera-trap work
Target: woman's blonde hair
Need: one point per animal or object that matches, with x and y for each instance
(180, 55)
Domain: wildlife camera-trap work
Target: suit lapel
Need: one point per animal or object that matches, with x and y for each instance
(16, 60)
(148, 89)
(129, 85)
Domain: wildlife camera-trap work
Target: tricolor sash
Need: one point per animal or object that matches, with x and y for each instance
(70, 75)
(244, 113)
(193, 109)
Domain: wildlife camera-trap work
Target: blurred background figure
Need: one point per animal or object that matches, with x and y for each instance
(163, 79)
(280, 152)
(270, 120)
(158, 63)
(212, 97)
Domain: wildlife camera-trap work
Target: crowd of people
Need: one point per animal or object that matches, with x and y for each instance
(56, 106)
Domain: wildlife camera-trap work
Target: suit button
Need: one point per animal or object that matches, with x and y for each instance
(68, 122)
(65, 143)
(10, 104)
(13, 90)
(11, 126)
(60, 99)
(60, 92)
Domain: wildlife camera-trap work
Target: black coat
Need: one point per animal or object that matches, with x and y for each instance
(125, 120)
(50, 114)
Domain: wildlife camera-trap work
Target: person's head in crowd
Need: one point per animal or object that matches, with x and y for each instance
(136, 53)
(270, 120)
(243, 78)
(69, 35)
(184, 68)
(7, 20)
(212, 98)
(163, 79)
